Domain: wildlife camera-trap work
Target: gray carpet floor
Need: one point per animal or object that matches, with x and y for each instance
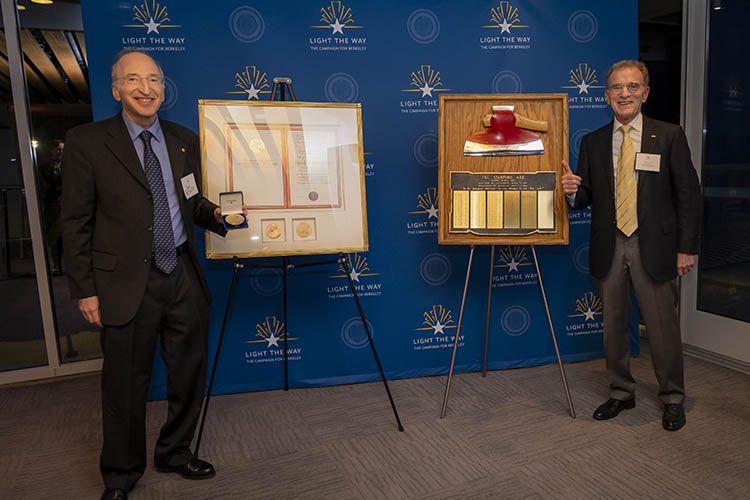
(507, 436)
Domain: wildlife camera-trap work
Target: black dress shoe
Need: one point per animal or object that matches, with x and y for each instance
(195, 468)
(114, 494)
(674, 417)
(612, 408)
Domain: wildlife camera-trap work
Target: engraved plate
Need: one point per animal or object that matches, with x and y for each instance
(512, 209)
(528, 209)
(478, 209)
(461, 209)
(494, 209)
(546, 209)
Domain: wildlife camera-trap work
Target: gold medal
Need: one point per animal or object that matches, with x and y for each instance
(273, 231)
(235, 219)
(304, 230)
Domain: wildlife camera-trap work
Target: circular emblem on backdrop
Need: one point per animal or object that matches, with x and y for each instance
(581, 258)
(506, 82)
(423, 26)
(515, 321)
(435, 269)
(575, 140)
(246, 24)
(426, 150)
(341, 87)
(170, 94)
(266, 282)
(353, 333)
(582, 26)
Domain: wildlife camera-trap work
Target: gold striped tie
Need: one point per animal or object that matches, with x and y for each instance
(627, 188)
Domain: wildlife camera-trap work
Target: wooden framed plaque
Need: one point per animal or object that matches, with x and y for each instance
(299, 167)
(499, 169)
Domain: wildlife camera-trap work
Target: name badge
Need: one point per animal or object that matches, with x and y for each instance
(189, 187)
(647, 162)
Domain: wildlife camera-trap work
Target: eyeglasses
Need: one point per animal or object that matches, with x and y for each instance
(619, 87)
(135, 80)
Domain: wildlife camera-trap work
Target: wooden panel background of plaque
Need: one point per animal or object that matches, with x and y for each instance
(460, 116)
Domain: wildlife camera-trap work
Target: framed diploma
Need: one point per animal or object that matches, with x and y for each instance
(499, 169)
(300, 169)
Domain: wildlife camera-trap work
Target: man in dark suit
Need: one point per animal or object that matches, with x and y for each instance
(637, 175)
(130, 201)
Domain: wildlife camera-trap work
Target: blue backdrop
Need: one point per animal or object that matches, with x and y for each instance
(379, 54)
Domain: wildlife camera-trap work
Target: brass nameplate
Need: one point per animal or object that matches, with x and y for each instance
(517, 203)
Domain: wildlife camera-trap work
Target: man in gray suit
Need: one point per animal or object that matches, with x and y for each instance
(130, 201)
(637, 175)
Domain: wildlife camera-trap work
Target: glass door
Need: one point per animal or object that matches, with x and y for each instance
(715, 306)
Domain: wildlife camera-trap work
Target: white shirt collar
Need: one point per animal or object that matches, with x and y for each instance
(637, 123)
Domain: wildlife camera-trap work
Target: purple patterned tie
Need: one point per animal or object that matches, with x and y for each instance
(165, 256)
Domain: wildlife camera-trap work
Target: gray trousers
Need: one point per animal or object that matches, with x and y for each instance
(657, 301)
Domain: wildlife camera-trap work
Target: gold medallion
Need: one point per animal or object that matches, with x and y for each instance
(304, 230)
(235, 219)
(257, 146)
(273, 231)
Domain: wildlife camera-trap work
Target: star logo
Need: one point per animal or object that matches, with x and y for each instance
(588, 307)
(152, 16)
(270, 332)
(337, 27)
(504, 27)
(252, 92)
(438, 328)
(432, 212)
(251, 83)
(513, 265)
(354, 275)
(583, 77)
(426, 90)
(437, 319)
(152, 26)
(426, 80)
(273, 340)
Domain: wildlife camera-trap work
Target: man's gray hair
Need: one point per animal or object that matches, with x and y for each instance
(627, 63)
(131, 50)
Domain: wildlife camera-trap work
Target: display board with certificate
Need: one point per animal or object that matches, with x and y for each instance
(300, 168)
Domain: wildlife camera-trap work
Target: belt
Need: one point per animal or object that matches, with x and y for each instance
(184, 248)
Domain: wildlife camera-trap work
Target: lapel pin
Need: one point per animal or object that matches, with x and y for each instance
(183, 149)
(652, 136)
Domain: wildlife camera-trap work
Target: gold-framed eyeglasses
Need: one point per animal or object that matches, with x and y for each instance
(619, 87)
(135, 80)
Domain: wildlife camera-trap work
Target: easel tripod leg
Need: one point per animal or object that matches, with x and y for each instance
(286, 339)
(554, 337)
(489, 308)
(458, 334)
(345, 264)
(237, 266)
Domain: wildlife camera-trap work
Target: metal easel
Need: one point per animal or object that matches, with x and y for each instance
(280, 86)
(487, 329)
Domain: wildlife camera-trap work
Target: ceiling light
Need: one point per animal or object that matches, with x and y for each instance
(43, 2)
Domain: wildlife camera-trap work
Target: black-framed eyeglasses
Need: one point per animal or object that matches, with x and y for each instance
(619, 87)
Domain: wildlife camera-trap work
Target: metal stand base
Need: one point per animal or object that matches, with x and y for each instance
(285, 265)
(487, 330)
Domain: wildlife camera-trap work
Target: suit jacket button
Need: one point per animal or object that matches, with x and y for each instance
(145, 260)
